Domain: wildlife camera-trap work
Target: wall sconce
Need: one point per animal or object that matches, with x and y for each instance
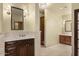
(8, 13)
(43, 5)
(26, 13)
(8, 10)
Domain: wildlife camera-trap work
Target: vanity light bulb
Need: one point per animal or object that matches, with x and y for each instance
(8, 7)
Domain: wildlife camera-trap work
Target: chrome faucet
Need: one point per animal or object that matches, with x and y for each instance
(22, 35)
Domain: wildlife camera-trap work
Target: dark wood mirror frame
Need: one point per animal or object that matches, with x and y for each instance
(20, 23)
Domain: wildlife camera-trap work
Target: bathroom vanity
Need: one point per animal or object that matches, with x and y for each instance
(17, 44)
(65, 39)
(15, 27)
(24, 47)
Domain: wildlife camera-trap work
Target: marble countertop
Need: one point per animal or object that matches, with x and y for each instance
(66, 34)
(18, 38)
(13, 37)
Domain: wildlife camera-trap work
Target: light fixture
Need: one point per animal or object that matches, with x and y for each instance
(26, 13)
(8, 10)
(8, 13)
(43, 5)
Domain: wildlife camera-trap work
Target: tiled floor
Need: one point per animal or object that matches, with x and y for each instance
(57, 50)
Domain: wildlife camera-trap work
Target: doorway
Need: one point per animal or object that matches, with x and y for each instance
(42, 27)
(52, 27)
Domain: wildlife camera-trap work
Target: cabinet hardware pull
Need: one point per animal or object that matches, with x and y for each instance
(11, 48)
(10, 42)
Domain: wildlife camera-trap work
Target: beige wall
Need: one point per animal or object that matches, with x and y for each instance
(53, 27)
(67, 16)
(1, 17)
(29, 20)
(54, 23)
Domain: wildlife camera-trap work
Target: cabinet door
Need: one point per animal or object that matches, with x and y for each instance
(62, 39)
(25, 48)
(30, 46)
(22, 48)
(68, 40)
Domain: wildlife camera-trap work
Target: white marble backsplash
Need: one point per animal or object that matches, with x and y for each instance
(16, 36)
(13, 34)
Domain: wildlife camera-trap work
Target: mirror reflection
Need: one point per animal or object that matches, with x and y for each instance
(16, 18)
(68, 26)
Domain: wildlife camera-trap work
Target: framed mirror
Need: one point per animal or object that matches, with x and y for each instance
(17, 19)
(68, 26)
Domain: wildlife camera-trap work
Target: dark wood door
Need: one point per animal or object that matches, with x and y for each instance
(76, 31)
(42, 29)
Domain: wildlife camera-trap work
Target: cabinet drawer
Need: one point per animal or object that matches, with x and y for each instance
(10, 48)
(10, 54)
(68, 40)
(10, 43)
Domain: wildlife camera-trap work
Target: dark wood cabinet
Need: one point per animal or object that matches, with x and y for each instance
(20, 48)
(63, 39)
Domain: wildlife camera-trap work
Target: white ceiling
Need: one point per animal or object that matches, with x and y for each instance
(18, 5)
(60, 7)
(53, 5)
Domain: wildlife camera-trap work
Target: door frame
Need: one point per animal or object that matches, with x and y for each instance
(76, 32)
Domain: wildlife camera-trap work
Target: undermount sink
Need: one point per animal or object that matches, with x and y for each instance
(18, 37)
(22, 35)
